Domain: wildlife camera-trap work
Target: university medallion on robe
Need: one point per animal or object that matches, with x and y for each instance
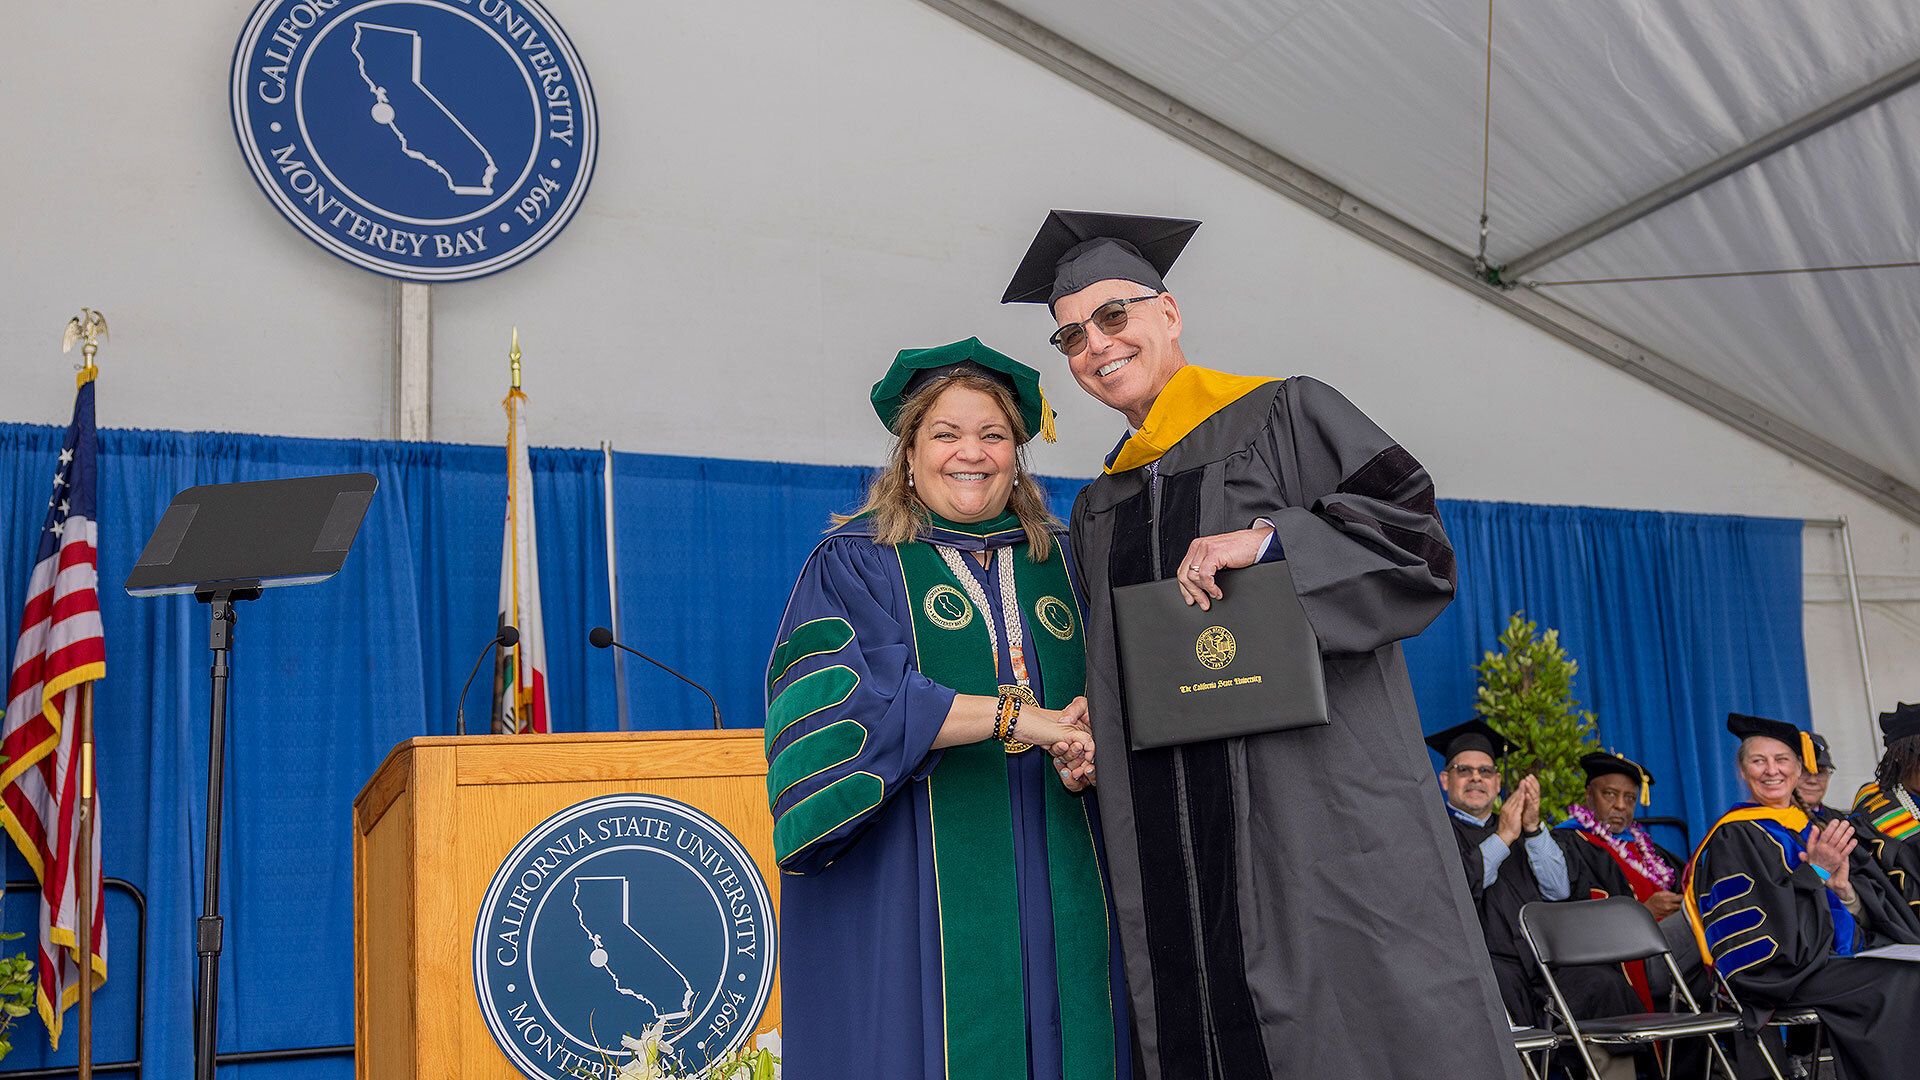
(947, 608)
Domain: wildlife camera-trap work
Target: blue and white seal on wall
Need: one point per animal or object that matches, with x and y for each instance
(616, 915)
(433, 140)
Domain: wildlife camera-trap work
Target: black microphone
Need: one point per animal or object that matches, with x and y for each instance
(600, 637)
(507, 637)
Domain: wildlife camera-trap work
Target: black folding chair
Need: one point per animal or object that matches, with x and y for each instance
(1535, 1040)
(1614, 931)
(1789, 1017)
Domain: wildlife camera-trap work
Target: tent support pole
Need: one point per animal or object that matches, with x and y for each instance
(1717, 170)
(1845, 530)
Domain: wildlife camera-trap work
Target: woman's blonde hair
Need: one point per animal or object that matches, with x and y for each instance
(898, 513)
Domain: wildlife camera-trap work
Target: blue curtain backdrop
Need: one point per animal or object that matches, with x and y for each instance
(1675, 620)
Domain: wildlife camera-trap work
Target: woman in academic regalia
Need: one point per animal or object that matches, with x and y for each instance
(1783, 906)
(1885, 811)
(943, 904)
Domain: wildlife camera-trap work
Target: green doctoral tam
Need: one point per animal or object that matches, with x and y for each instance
(915, 369)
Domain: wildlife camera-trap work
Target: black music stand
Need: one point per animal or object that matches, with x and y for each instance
(224, 543)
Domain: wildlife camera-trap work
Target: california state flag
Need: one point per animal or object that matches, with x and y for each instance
(520, 672)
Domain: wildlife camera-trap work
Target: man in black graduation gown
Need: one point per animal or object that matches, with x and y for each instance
(1615, 856)
(1612, 855)
(1501, 884)
(1288, 903)
(1813, 785)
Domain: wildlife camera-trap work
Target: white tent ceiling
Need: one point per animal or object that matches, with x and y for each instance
(1595, 103)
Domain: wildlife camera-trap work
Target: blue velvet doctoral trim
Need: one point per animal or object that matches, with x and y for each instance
(1846, 933)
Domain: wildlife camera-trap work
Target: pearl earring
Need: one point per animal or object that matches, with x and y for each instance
(909, 479)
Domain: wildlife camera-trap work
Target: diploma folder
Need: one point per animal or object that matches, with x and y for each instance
(1248, 665)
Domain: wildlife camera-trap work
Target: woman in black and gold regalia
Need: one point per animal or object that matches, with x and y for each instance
(1782, 907)
(943, 908)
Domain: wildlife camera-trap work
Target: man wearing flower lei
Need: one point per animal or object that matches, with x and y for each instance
(1885, 812)
(1617, 858)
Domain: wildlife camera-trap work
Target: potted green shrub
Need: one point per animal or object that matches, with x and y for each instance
(1526, 694)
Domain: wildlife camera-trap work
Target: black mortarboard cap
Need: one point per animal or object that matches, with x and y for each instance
(1903, 721)
(1473, 735)
(1606, 763)
(1076, 248)
(1821, 754)
(1749, 726)
(915, 368)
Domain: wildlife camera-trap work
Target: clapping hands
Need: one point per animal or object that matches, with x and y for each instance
(1829, 847)
(1521, 812)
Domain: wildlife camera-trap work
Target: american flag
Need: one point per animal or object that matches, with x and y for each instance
(61, 651)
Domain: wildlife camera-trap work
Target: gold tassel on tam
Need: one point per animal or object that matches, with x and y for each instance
(1047, 429)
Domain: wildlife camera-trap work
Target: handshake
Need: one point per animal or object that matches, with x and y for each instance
(1068, 736)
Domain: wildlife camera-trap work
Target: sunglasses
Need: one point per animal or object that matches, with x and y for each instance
(1110, 317)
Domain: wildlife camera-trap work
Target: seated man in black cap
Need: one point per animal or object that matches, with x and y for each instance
(1287, 902)
(1615, 856)
(1470, 776)
(1813, 785)
(1884, 814)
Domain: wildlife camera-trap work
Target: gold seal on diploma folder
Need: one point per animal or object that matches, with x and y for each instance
(1249, 664)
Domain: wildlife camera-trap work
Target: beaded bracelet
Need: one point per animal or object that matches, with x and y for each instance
(1009, 715)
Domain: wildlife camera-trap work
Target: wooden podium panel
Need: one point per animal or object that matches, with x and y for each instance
(436, 821)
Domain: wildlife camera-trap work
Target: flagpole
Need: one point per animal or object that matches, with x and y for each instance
(89, 328)
(83, 880)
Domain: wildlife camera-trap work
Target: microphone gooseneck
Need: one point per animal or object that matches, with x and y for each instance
(600, 637)
(508, 637)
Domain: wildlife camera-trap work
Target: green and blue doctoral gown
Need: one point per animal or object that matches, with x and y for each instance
(943, 912)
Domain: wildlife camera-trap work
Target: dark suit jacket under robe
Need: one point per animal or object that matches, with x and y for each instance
(1291, 904)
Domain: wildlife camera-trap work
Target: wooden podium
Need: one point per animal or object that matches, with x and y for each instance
(434, 824)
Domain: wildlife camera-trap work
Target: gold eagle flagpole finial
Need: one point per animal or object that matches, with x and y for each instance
(513, 358)
(88, 329)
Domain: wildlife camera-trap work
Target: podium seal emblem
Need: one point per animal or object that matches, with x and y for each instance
(616, 916)
(431, 140)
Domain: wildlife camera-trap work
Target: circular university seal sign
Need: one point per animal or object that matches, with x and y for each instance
(433, 140)
(615, 915)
